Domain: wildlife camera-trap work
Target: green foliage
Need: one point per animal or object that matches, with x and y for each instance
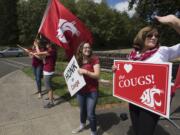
(145, 10)
(111, 29)
(69, 4)
(106, 75)
(30, 14)
(108, 26)
(8, 24)
(61, 54)
(147, 7)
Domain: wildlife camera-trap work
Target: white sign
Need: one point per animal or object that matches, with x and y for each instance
(74, 80)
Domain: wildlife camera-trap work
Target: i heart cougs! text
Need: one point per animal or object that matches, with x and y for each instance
(136, 81)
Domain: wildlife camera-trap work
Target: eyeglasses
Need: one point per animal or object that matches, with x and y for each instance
(86, 47)
(151, 35)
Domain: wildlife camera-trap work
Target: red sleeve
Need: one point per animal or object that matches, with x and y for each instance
(51, 52)
(95, 60)
(30, 49)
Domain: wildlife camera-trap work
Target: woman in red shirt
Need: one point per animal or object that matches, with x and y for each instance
(87, 96)
(37, 65)
(50, 56)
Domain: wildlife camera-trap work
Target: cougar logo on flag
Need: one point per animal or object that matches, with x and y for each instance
(64, 26)
(148, 99)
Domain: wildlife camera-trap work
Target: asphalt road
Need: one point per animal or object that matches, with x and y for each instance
(10, 64)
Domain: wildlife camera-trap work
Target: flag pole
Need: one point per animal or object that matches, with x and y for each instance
(45, 14)
(44, 17)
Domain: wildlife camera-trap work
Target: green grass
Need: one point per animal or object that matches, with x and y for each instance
(106, 75)
(60, 87)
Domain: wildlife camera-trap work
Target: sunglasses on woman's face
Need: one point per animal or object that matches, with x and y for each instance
(151, 35)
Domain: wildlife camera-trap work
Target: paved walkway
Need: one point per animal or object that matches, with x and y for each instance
(22, 113)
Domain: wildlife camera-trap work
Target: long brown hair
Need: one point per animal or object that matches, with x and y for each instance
(139, 40)
(79, 54)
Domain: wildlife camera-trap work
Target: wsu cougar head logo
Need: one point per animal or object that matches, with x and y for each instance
(64, 26)
(148, 99)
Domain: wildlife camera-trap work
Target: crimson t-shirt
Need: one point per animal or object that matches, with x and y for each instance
(35, 61)
(91, 84)
(50, 60)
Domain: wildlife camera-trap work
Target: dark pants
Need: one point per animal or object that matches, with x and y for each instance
(38, 75)
(143, 122)
(87, 102)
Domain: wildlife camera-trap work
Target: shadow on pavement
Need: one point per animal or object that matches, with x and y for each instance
(106, 121)
(159, 131)
(59, 100)
(177, 110)
(130, 131)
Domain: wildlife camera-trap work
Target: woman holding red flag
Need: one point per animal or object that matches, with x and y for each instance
(37, 65)
(50, 56)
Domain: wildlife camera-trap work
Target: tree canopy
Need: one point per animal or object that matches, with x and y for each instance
(111, 29)
(8, 22)
(147, 9)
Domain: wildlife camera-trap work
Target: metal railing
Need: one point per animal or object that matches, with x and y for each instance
(106, 61)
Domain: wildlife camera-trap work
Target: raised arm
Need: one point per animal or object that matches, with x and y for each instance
(24, 49)
(42, 54)
(170, 20)
(36, 45)
(31, 54)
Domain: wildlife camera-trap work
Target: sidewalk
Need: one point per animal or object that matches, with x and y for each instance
(22, 113)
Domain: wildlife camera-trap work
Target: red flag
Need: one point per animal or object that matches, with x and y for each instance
(63, 28)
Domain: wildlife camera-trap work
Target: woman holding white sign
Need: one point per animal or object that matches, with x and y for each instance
(147, 48)
(88, 95)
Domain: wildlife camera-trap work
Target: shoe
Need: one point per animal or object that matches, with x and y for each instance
(48, 99)
(49, 105)
(77, 130)
(94, 133)
(39, 95)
